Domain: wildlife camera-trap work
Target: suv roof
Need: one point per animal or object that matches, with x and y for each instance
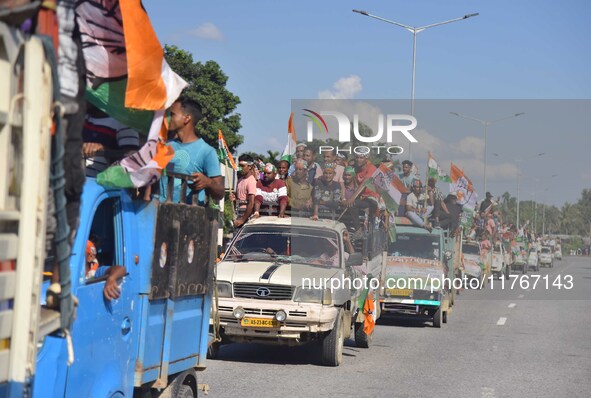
(296, 221)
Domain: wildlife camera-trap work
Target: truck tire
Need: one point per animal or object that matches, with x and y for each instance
(362, 340)
(444, 317)
(185, 392)
(437, 318)
(332, 344)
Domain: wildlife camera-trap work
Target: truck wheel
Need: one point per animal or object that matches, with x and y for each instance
(362, 340)
(332, 344)
(185, 392)
(437, 318)
(444, 316)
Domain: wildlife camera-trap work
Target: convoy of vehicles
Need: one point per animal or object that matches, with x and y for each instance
(282, 280)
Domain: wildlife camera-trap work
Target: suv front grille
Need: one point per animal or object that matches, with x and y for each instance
(263, 291)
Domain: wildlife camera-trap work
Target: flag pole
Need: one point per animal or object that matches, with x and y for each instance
(426, 185)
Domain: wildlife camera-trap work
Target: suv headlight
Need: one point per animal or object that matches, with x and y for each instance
(224, 289)
(317, 296)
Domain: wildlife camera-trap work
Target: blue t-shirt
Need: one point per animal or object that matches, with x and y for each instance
(194, 157)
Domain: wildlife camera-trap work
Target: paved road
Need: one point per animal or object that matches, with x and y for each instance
(498, 343)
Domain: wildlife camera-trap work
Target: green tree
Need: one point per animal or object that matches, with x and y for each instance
(207, 86)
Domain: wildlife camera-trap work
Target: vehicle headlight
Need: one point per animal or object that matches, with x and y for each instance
(224, 289)
(238, 312)
(280, 315)
(318, 296)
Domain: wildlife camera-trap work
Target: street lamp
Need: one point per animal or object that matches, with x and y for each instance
(486, 123)
(414, 31)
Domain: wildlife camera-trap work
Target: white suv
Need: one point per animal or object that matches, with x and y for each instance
(274, 285)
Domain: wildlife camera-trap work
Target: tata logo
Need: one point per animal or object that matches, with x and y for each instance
(344, 123)
(263, 292)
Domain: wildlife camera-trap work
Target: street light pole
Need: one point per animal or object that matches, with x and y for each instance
(415, 31)
(519, 175)
(485, 123)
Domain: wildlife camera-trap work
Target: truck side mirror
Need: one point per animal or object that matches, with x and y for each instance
(354, 259)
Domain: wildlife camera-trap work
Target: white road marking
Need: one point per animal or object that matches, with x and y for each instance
(501, 321)
(520, 296)
(512, 305)
(488, 392)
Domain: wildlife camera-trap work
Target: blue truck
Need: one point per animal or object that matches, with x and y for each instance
(153, 338)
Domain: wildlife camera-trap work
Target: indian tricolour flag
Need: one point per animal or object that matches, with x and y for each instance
(386, 183)
(290, 147)
(434, 171)
(128, 78)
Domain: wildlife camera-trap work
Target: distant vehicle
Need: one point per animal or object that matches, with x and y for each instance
(500, 267)
(546, 257)
(533, 260)
(519, 256)
(473, 265)
(558, 253)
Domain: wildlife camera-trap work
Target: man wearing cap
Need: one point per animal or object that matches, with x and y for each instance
(299, 154)
(271, 190)
(299, 190)
(486, 203)
(246, 189)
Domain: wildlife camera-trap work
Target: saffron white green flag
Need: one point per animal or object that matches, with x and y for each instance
(434, 171)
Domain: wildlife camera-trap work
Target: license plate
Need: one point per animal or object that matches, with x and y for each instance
(399, 292)
(259, 323)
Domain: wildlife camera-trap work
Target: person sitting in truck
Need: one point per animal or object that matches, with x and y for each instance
(326, 193)
(415, 207)
(407, 177)
(192, 155)
(270, 192)
(91, 260)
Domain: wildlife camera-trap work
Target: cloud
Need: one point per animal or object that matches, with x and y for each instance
(344, 88)
(472, 146)
(208, 31)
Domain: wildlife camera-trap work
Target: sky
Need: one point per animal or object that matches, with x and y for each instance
(276, 51)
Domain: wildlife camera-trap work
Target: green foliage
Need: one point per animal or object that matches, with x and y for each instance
(207, 86)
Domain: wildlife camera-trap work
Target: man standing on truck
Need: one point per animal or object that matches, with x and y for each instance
(192, 155)
(246, 189)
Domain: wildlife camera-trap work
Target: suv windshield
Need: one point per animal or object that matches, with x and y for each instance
(471, 249)
(286, 244)
(419, 246)
(545, 250)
